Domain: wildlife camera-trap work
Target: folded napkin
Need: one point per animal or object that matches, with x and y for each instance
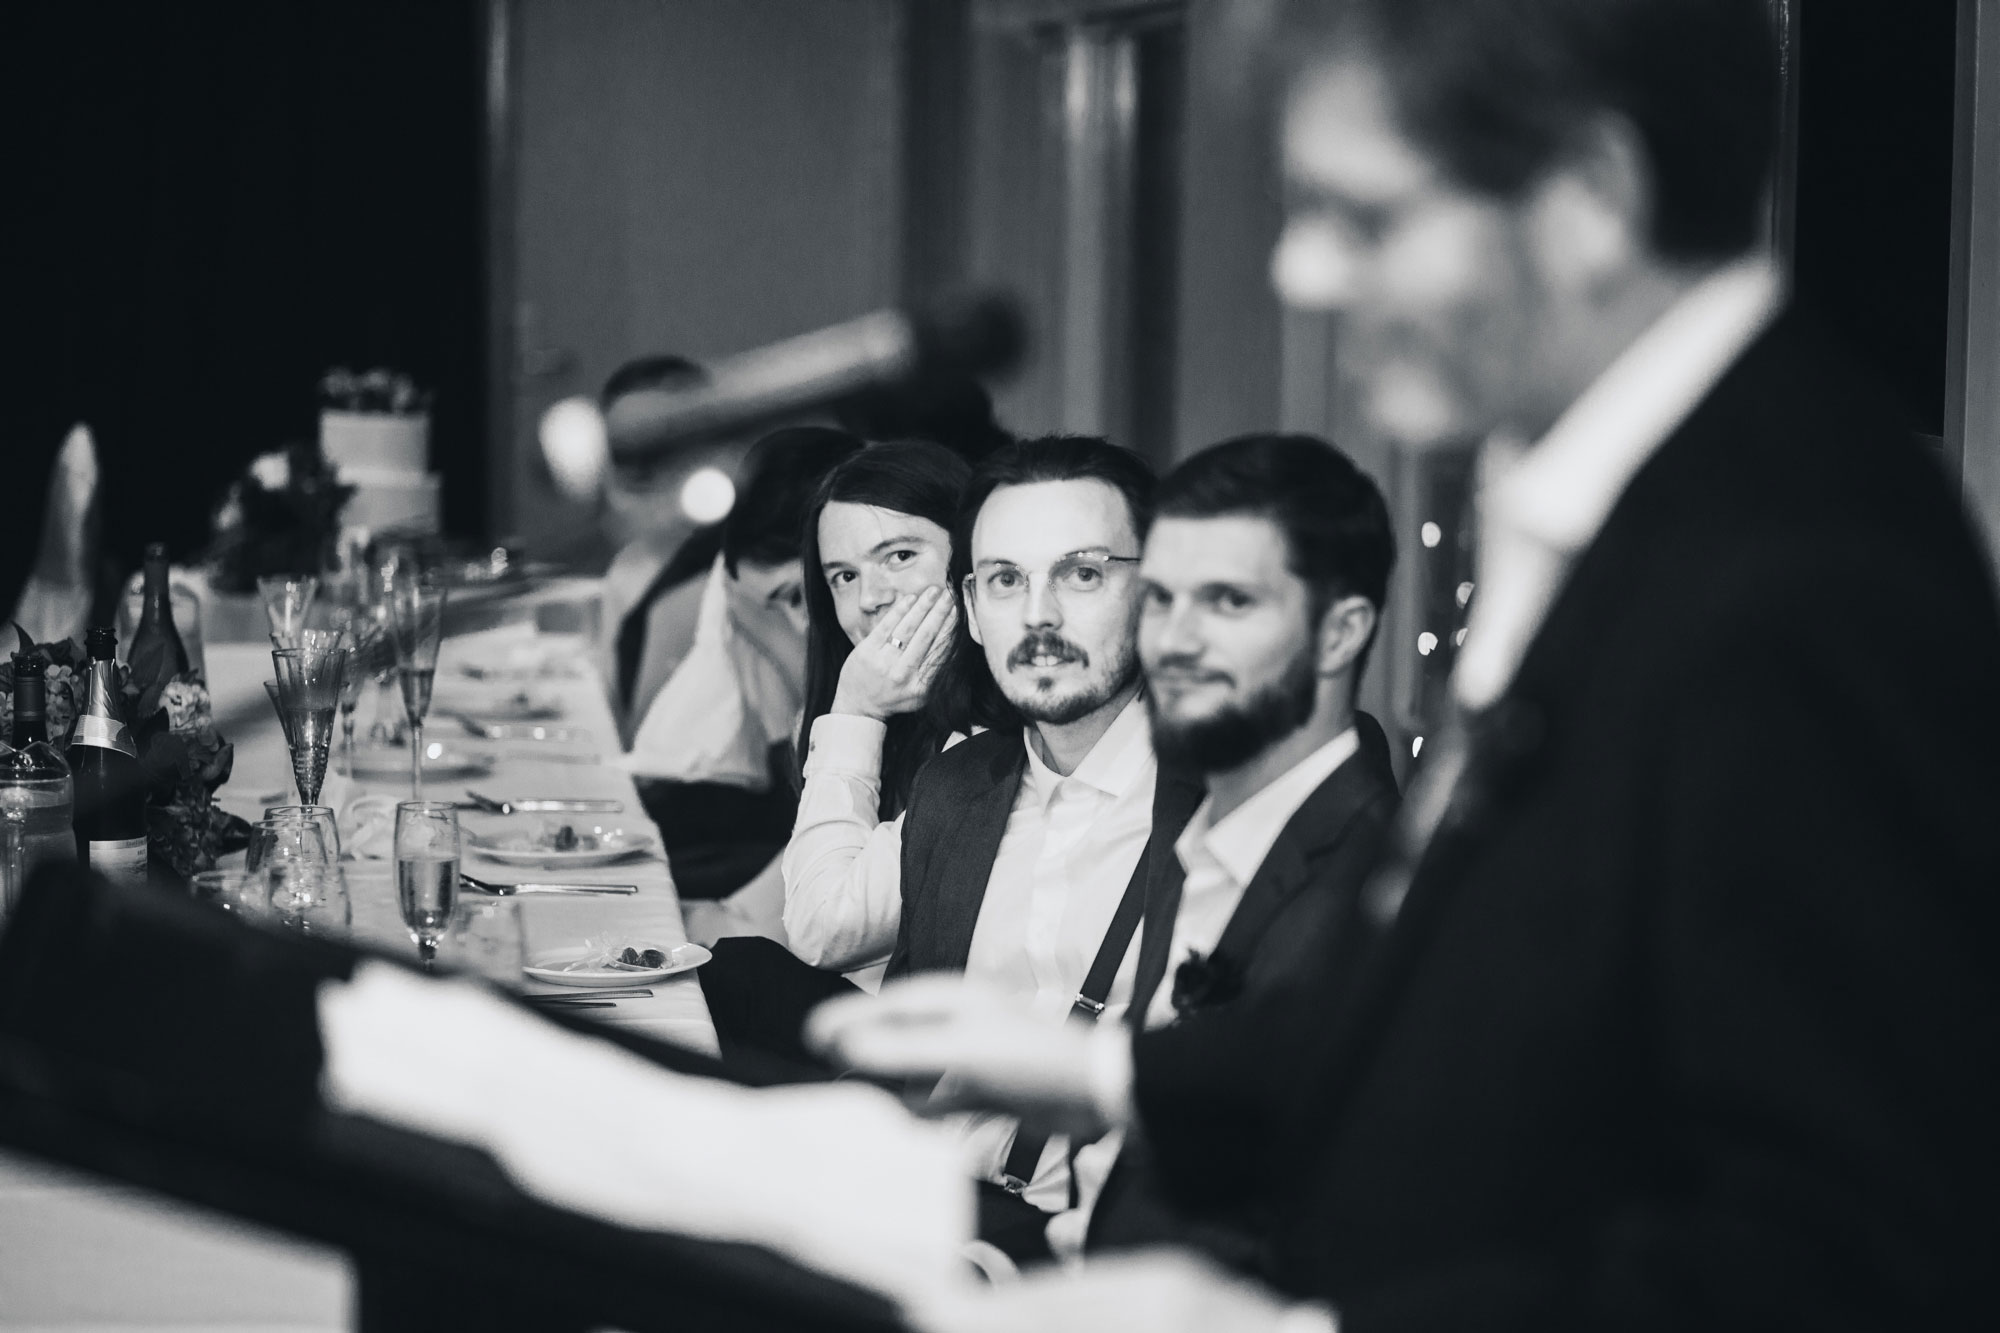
(368, 827)
(838, 1177)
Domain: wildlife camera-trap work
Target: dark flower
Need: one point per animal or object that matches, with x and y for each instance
(1202, 981)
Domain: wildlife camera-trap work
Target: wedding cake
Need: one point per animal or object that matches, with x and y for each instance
(374, 430)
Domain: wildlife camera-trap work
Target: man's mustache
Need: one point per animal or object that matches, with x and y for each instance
(1046, 643)
(1180, 670)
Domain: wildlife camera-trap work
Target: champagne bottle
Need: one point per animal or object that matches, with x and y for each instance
(156, 651)
(104, 766)
(36, 796)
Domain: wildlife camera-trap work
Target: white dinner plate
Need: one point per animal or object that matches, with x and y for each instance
(548, 967)
(376, 763)
(519, 849)
(500, 705)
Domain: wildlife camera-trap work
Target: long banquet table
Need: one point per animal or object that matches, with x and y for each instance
(79, 1253)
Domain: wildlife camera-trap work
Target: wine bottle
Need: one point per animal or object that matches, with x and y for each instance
(36, 796)
(104, 766)
(156, 651)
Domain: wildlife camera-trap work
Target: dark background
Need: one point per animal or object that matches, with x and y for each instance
(215, 202)
(1873, 251)
(221, 202)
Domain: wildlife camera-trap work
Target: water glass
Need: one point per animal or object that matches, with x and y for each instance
(227, 889)
(427, 871)
(319, 815)
(486, 941)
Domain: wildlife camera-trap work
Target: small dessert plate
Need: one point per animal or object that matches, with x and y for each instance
(595, 847)
(559, 967)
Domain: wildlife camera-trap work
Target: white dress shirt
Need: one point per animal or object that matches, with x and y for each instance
(726, 704)
(1070, 848)
(1541, 505)
(1219, 858)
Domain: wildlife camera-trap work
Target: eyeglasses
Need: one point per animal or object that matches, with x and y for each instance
(1080, 573)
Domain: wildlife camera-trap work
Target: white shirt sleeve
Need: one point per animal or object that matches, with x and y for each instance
(843, 867)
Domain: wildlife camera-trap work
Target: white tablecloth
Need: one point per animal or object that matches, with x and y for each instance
(522, 770)
(77, 1253)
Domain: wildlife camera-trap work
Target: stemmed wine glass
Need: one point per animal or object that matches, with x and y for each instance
(309, 679)
(287, 600)
(416, 622)
(427, 871)
(369, 653)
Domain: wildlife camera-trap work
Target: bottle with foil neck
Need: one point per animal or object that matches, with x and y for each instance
(104, 764)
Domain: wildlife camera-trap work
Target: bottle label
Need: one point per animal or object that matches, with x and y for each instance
(106, 733)
(120, 860)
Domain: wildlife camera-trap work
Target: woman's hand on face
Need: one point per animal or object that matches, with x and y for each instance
(891, 670)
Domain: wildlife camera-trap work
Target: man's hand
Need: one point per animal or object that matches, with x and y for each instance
(992, 1053)
(890, 671)
(1160, 1291)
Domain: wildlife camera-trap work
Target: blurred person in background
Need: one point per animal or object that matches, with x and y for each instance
(713, 751)
(652, 584)
(61, 585)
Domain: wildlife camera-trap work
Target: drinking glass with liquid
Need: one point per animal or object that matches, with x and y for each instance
(427, 871)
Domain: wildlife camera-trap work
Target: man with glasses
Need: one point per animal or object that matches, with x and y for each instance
(1022, 844)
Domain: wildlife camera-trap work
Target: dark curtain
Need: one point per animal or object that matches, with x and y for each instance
(221, 201)
(1874, 186)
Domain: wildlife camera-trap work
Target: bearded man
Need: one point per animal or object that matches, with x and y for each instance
(1259, 592)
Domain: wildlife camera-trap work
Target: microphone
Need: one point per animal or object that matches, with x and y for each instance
(894, 350)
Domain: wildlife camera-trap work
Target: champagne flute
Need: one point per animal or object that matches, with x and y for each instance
(369, 653)
(287, 599)
(308, 682)
(427, 871)
(416, 621)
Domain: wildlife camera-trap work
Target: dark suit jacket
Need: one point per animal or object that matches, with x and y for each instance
(1271, 952)
(1688, 1018)
(951, 832)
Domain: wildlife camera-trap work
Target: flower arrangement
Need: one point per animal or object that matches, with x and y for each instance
(183, 755)
(284, 515)
(1201, 982)
(379, 391)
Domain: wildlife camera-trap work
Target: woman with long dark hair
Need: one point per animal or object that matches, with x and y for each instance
(882, 618)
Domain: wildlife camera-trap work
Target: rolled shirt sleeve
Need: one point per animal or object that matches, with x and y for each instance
(843, 866)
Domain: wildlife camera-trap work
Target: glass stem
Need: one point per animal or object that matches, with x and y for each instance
(427, 950)
(416, 759)
(347, 732)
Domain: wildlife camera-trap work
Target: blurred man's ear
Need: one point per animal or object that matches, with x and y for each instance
(1344, 631)
(1590, 217)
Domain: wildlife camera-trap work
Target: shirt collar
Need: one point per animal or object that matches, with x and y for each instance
(1561, 490)
(1240, 840)
(1122, 756)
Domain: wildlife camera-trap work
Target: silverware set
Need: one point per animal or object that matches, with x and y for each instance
(541, 807)
(606, 998)
(519, 731)
(512, 890)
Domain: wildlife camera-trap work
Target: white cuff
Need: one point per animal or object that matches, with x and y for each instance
(1110, 1073)
(846, 744)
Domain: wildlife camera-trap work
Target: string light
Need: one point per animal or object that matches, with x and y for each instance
(708, 495)
(1427, 643)
(1431, 533)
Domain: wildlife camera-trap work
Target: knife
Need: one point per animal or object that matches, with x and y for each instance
(509, 890)
(546, 806)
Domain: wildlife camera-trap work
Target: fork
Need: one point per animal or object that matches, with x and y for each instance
(493, 807)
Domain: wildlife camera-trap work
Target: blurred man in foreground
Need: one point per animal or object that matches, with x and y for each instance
(1661, 1013)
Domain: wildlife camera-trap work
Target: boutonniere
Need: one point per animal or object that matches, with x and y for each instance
(1202, 981)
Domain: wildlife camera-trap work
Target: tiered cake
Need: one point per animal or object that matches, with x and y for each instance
(384, 457)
